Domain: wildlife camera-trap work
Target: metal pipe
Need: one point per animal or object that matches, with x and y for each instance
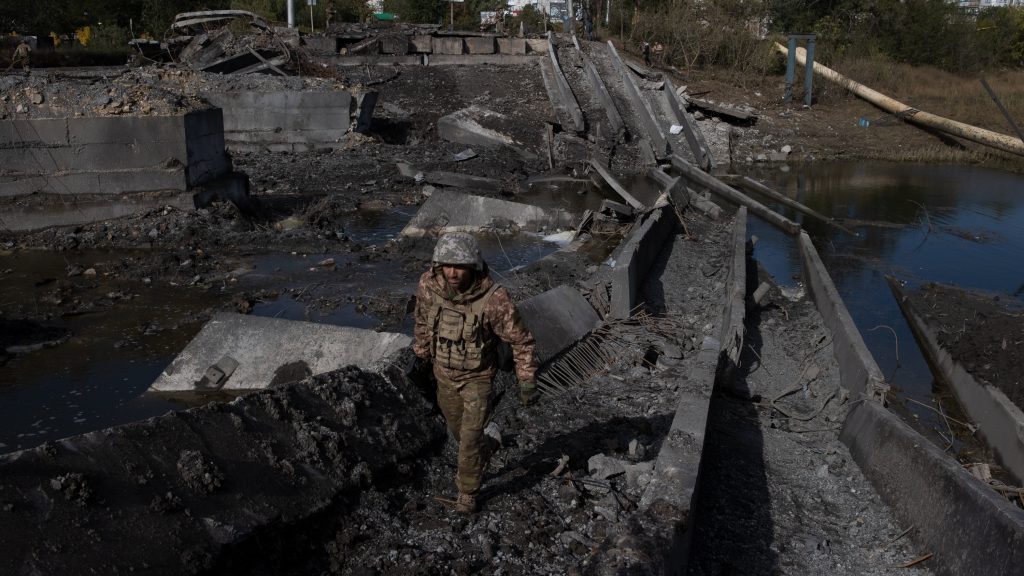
(291, 13)
(912, 115)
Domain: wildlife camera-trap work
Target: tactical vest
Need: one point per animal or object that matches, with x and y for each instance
(459, 342)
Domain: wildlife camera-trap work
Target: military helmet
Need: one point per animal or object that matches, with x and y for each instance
(458, 248)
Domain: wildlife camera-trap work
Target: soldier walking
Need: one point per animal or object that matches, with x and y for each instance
(22, 55)
(461, 313)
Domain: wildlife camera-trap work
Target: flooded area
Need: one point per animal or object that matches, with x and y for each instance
(122, 333)
(921, 223)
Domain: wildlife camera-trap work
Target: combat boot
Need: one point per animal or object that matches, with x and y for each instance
(466, 504)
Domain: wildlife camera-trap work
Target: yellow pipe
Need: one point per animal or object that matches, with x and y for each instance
(912, 115)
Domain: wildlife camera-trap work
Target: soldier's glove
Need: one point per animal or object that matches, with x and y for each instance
(528, 393)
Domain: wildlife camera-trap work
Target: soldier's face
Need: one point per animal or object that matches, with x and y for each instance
(458, 277)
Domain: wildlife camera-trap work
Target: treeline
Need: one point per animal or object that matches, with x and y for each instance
(922, 32)
(690, 33)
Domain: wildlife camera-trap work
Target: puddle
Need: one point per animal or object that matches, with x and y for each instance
(963, 226)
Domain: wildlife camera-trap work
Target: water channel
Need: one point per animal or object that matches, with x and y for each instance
(921, 223)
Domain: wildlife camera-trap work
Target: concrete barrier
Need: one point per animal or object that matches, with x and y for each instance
(111, 155)
(558, 319)
(859, 373)
(634, 258)
(447, 211)
(1001, 422)
(480, 59)
(446, 45)
(511, 45)
(480, 45)
(282, 120)
(677, 467)
(187, 491)
(972, 530)
(265, 352)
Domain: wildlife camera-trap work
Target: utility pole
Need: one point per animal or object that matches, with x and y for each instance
(291, 13)
(312, 29)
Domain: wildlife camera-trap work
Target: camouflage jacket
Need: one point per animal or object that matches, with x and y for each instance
(500, 320)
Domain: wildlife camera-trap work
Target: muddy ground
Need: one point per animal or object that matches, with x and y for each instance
(982, 332)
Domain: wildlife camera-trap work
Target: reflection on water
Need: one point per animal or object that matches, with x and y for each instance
(961, 225)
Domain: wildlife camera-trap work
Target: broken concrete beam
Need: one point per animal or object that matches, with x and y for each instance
(446, 45)
(601, 91)
(615, 185)
(634, 257)
(652, 131)
(694, 137)
(475, 126)
(558, 319)
(760, 188)
(567, 98)
(512, 45)
(112, 154)
(421, 44)
(397, 45)
(467, 181)
(682, 195)
(258, 120)
(728, 112)
(321, 45)
(189, 490)
(483, 45)
(696, 175)
(619, 211)
(449, 211)
(271, 351)
(538, 45)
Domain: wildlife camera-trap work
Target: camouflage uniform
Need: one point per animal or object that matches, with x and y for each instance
(22, 55)
(459, 332)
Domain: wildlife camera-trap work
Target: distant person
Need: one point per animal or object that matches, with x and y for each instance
(461, 314)
(647, 53)
(22, 55)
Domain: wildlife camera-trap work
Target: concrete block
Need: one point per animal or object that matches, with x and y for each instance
(475, 126)
(283, 117)
(537, 45)
(34, 133)
(25, 218)
(971, 529)
(558, 319)
(481, 59)
(270, 351)
(321, 44)
(421, 44)
(483, 45)
(634, 257)
(397, 45)
(511, 46)
(446, 45)
(447, 211)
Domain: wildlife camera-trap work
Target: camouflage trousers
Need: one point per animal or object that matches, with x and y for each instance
(467, 408)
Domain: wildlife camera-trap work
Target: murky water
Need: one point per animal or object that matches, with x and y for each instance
(921, 223)
(97, 378)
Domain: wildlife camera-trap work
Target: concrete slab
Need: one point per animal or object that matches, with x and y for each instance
(475, 126)
(558, 319)
(971, 529)
(480, 45)
(446, 45)
(479, 59)
(512, 45)
(448, 211)
(272, 351)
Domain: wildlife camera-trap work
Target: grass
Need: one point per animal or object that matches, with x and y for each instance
(943, 93)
